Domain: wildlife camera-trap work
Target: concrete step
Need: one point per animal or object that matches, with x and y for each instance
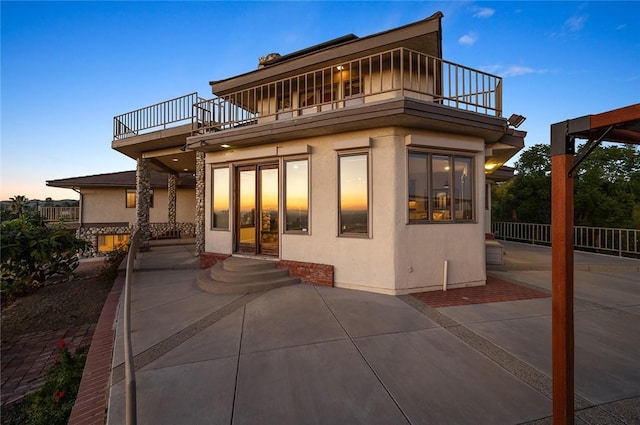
(243, 264)
(243, 276)
(221, 274)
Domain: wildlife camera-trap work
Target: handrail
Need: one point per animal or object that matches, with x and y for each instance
(130, 373)
(606, 240)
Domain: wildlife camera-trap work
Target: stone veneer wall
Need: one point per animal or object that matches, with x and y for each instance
(171, 189)
(143, 202)
(200, 196)
(91, 233)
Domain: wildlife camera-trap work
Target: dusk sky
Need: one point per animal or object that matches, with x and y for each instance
(69, 67)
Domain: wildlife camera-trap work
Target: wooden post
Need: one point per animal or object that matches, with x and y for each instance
(562, 156)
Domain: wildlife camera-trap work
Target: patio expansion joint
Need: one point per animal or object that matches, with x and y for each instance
(163, 347)
(378, 377)
(510, 363)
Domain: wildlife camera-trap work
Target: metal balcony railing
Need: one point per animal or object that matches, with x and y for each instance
(395, 73)
(607, 240)
(53, 214)
(155, 117)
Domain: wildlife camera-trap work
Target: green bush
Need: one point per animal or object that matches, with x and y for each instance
(32, 252)
(52, 403)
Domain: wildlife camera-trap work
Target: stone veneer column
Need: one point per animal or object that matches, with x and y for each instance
(143, 201)
(200, 173)
(172, 184)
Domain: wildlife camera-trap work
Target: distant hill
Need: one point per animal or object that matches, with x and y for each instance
(36, 203)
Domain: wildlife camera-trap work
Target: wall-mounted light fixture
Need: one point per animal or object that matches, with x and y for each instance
(183, 147)
(515, 120)
(224, 145)
(340, 68)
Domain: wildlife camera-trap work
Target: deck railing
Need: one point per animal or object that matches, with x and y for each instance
(395, 73)
(607, 240)
(54, 214)
(155, 117)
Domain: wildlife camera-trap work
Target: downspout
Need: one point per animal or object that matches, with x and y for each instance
(80, 207)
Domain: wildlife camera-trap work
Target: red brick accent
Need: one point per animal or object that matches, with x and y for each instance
(489, 236)
(209, 259)
(315, 274)
(495, 290)
(93, 394)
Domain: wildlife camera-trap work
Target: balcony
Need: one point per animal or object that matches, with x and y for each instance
(393, 74)
(397, 73)
(60, 214)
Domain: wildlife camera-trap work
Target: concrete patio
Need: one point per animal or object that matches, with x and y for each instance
(315, 355)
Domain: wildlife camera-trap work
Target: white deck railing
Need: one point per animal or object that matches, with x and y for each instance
(53, 214)
(607, 240)
(391, 74)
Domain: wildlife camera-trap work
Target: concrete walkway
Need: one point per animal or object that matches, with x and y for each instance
(315, 355)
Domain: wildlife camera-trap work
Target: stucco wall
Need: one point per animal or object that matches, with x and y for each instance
(107, 205)
(397, 257)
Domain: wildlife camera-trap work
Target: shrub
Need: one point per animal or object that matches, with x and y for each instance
(52, 403)
(33, 252)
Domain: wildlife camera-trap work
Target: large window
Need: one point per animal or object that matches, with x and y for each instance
(220, 198)
(296, 195)
(440, 187)
(354, 194)
(131, 198)
(108, 243)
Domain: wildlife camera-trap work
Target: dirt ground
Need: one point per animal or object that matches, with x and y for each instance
(60, 304)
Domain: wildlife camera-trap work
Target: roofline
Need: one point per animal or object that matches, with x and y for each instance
(310, 57)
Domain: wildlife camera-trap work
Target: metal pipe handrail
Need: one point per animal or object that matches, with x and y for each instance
(129, 366)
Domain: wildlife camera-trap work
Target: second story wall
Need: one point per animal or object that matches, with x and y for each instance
(108, 205)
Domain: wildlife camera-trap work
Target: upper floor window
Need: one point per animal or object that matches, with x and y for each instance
(296, 197)
(353, 189)
(440, 187)
(131, 198)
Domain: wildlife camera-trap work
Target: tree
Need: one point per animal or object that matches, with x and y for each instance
(526, 197)
(607, 187)
(18, 205)
(606, 184)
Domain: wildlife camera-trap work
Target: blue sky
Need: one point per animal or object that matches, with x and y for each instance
(69, 67)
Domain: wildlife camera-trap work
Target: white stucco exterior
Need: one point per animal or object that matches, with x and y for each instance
(108, 205)
(396, 257)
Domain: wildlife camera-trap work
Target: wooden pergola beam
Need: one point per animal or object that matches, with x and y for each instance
(619, 125)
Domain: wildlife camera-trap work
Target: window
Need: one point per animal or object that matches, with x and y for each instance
(220, 199)
(440, 187)
(296, 197)
(131, 198)
(108, 243)
(354, 194)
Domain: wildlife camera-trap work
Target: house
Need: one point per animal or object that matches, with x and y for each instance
(106, 215)
(362, 160)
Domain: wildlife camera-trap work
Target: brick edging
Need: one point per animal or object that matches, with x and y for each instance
(91, 404)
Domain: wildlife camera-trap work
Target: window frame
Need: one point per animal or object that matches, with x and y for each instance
(113, 245)
(135, 198)
(285, 193)
(229, 200)
(350, 153)
(452, 194)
